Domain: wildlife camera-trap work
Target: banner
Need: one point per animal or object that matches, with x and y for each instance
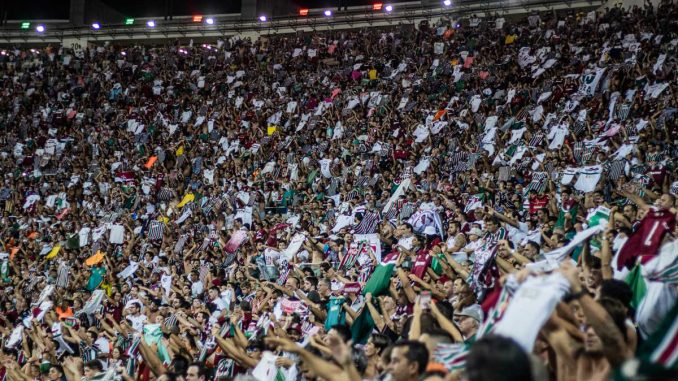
(402, 188)
(245, 215)
(372, 241)
(589, 82)
(325, 167)
(559, 254)
(294, 246)
(236, 240)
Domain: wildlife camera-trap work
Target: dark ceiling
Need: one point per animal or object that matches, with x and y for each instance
(59, 9)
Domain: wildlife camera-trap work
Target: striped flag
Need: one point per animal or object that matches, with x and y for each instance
(369, 223)
(536, 140)
(156, 230)
(495, 314)
(171, 321)
(664, 266)
(406, 210)
(662, 346)
(579, 127)
(62, 275)
(538, 182)
(394, 209)
(348, 261)
(474, 202)
(615, 169)
(452, 356)
(577, 151)
(623, 111)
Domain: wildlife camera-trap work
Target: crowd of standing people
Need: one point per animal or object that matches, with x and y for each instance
(487, 199)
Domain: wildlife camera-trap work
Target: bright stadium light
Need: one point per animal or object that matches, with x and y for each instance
(447, 3)
(40, 28)
(209, 21)
(262, 18)
(150, 24)
(327, 13)
(96, 25)
(388, 8)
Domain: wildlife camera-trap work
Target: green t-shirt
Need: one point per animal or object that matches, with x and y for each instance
(95, 278)
(335, 314)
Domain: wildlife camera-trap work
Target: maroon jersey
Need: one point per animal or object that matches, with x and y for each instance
(421, 263)
(645, 241)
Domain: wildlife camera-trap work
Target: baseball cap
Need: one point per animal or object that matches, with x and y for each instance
(474, 311)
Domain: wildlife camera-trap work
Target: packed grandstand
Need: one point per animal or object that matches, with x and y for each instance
(492, 199)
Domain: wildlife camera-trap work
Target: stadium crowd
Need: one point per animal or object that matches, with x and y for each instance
(488, 200)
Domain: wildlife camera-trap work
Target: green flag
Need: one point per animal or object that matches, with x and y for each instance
(362, 327)
(73, 242)
(380, 280)
(636, 281)
(662, 346)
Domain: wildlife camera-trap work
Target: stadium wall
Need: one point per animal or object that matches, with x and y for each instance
(69, 36)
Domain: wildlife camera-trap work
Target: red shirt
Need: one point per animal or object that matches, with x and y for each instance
(537, 203)
(421, 263)
(645, 241)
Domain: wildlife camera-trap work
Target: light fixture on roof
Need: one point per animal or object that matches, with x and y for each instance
(40, 28)
(263, 18)
(303, 12)
(197, 18)
(388, 8)
(209, 21)
(327, 13)
(150, 23)
(447, 3)
(377, 6)
(96, 25)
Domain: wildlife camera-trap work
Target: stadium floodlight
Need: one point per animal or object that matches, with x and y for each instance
(447, 3)
(150, 23)
(25, 25)
(96, 25)
(209, 21)
(327, 13)
(262, 18)
(40, 28)
(303, 12)
(129, 21)
(388, 8)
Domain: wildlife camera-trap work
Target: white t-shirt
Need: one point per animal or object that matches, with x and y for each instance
(531, 306)
(406, 243)
(137, 322)
(220, 304)
(197, 288)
